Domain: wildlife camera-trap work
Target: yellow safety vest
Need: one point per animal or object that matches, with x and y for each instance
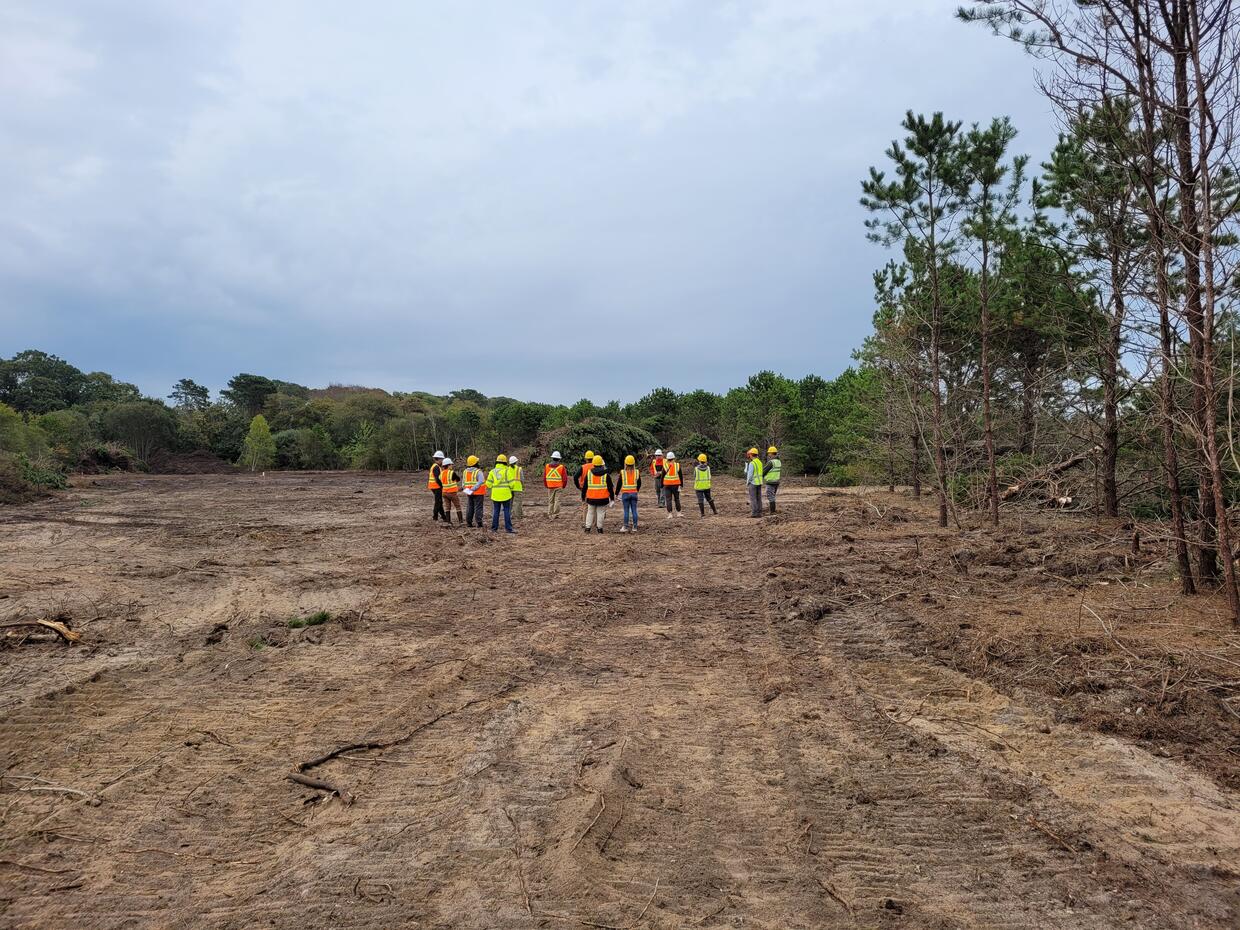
(757, 470)
(518, 474)
(701, 478)
(500, 483)
(771, 475)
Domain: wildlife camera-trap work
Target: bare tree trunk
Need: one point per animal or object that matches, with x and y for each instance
(1188, 171)
(992, 480)
(936, 336)
(1110, 395)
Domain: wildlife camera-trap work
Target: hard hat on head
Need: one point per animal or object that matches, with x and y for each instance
(555, 455)
(701, 456)
(672, 456)
(629, 460)
(437, 455)
(771, 451)
(658, 451)
(598, 460)
(752, 452)
(512, 460)
(501, 459)
(472, 460)
(589, 455)
(447, 461)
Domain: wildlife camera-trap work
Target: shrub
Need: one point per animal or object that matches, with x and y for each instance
(689, 447)
(315, 619)
(611, 439)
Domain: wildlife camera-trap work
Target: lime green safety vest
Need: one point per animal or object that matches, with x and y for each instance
(701, 478)
(772, 471)
(757, 470)
(500, 483)
(517, 474)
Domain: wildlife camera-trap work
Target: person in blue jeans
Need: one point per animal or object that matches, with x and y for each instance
(630, 484)
(499, 482)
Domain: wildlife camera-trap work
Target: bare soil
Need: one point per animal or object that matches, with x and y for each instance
(838, 717)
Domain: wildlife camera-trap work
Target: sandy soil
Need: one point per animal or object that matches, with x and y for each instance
(841, 717)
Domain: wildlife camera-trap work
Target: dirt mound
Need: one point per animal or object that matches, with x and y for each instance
(190, 463)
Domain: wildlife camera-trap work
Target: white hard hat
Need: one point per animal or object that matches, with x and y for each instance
(658, 451)
(555, 455)
(671, 455)
(437, 455)
(447, 461)
(512, 460)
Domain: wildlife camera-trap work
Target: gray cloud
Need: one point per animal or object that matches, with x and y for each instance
(544, 200)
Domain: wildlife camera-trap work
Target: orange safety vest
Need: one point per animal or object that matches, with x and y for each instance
(628, 480)
(555, 476)
(654, 466)
(585, 470)
(671, 474)
(596, 487)
(432, 480)
(450, 483)
(472, 474)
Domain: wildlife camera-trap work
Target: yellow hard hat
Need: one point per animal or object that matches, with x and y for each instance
(472, 460)
(752, 452)
(771, 451)
(598, 460)
(701, 456)
(629, 460)
(589, 455)
(501, 459)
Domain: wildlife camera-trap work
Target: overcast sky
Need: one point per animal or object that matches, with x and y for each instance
(547, 199)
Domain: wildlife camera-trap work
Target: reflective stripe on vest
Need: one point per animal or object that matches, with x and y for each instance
(554, 476)
(771, 475)
(448, 477)
(654, 466)
(472, 474)
(628, 480)
(701, 478)
(671, 474)
(596, 487)
(500, 483)
(518, 476)
(757, 470)
(432, 480)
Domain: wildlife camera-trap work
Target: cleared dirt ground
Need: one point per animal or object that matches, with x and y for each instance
(842, 717)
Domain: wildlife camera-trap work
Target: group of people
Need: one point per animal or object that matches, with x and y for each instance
(504, 484)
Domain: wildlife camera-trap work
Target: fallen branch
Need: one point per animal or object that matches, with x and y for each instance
(54, 625)
(327, 786)
(834, 895)
(1033, 822)
(516, 852)
(388, 743)
(1049, 472)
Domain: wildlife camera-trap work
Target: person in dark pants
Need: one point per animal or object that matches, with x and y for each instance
(500, 482)
(701, 484)
(475, 487)
(671, 484)
(656, 472)
(436, 486)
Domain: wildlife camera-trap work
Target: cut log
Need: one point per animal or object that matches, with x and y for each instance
(1051, 471)
(54, 625)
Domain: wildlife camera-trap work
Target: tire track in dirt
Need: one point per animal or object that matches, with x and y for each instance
(682, 742)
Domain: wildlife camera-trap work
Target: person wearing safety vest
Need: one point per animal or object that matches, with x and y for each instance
(475, 482)
(628, 484)
(451, 482)
(656, 471)
(753, 482)
(770, 476)
(555, 477)
(671, 484)
(500, 483)
(701, 484)
(518, 485)
(597, 493)
(579, 480)
(436, 488)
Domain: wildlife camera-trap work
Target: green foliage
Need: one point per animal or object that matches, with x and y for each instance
(315, 619)
(143, 426)
(68, 433)
(249, 392)
(306, 449)
(17, 437)
(41, 476)
(35, 382)
(611, 439)
(695, 443)
(188, 394)
(259, 449)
